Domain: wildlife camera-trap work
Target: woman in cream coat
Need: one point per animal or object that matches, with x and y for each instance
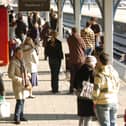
(31, 61)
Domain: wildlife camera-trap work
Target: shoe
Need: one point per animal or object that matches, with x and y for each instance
(23, 119)
(17, 122)
(55, 92)
(71, 92)
(31, 96)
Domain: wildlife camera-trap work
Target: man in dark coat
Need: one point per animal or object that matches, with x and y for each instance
(20, 30)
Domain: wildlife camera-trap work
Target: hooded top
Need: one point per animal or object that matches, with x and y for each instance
(106, 85)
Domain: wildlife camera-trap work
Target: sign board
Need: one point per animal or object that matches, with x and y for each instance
(4, 49)
(34, 5)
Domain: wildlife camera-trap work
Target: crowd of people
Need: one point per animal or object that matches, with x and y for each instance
(88, 62)
(87, 59)
(25, 39)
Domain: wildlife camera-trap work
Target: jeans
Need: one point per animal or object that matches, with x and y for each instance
(19, 108)
(88, 51)
(85, 121)
(55, 69)
(107, 114)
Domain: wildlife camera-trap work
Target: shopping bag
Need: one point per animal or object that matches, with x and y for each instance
(87, 90)
(4, 109)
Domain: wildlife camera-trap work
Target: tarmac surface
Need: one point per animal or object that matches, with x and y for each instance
(49, 109)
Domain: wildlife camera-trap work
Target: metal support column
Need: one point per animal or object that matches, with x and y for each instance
(47, 16)
(60, 19)
(108, 24)
(77, 15)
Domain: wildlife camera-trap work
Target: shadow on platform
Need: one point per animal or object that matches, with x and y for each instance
(65, 92)
(39, 117)
(44, 117)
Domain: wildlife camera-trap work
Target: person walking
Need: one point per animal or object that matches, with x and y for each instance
(53, 20)
(106, 87)
(85, 106)
(45, 36)
(20, 80)
(77, 57)
(29, 21)
(36, 19)
(55, 54)
(35, 35)
(96, 27)
(20, 30)
(89, 38)
(31, 62)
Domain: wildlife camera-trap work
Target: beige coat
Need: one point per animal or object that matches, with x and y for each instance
(30, 58)
(14, 73)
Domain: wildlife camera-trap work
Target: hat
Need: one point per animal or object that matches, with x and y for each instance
(90, 60)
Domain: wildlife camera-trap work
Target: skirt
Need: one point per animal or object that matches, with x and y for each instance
(34, 79)
(85, 107)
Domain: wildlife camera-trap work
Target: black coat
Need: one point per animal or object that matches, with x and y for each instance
(85, 106)
(54, 52)
(33, 33)
(83, 74)
(20, 29)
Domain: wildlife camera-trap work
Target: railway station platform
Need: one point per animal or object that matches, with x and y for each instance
(48, 109)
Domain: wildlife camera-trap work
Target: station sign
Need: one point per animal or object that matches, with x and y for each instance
(34, 5)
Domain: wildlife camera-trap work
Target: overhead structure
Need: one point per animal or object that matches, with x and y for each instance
(108, 9)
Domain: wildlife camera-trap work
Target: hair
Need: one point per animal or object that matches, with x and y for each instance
(93, 19)
(20, 16)
(74, 30)
(104, 58)
(29, 41)
(17, 49)
(88, 24)
(54, 33)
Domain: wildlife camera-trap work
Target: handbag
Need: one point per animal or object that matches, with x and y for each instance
(87, 89)
(27, 85)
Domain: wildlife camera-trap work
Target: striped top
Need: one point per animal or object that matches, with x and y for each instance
(106, 85)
